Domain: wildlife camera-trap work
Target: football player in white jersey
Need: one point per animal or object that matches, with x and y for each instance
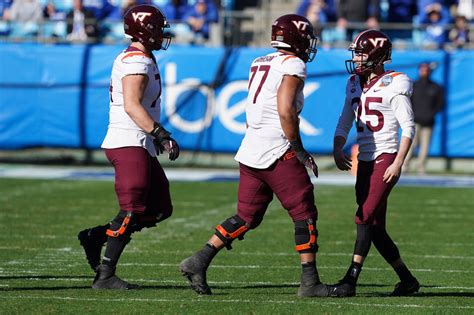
(133, 140)
(272, 157)
(379, 102)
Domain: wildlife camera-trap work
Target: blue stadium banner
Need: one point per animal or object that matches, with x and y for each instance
(57, 96)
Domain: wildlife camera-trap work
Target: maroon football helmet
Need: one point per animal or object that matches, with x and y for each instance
(375, 45)
(146, 24)
(295, 33)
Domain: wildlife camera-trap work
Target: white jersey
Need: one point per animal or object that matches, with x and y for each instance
(379, 109)
(264, 140)
(122, 130)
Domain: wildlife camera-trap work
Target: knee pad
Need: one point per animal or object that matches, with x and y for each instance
(123, 225)
(363, 240)
(306, 236)
(232, 228)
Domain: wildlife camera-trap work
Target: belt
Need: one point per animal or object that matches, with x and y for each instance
(288, 155)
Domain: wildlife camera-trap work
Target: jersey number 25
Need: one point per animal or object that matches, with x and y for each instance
(368, 112)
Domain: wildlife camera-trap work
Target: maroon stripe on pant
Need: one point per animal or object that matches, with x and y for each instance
(140, 182)
(371, 191)
(290, 182)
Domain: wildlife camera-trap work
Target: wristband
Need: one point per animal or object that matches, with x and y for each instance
(159, 132)
(297, 145)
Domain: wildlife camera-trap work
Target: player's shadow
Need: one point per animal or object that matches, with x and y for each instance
(165, 287)
(293, 287)
(43, 288)
(264, 286)
(84, 287)
(452, 294)
(434, 294)
(374, 285)
(419, 294)
(46, 277)
(282, 286)
(182, 287)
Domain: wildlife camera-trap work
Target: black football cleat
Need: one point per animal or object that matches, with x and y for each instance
(406, 288)
(313, 290)
(195, 271)
(106, 279)
(342, 289)
(92, 247)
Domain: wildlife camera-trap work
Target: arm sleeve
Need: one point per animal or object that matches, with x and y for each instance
(346, 119)
(401, 105)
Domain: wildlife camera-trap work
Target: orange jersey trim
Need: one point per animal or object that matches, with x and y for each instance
(134, 54)
(393, 75)
(288, 57)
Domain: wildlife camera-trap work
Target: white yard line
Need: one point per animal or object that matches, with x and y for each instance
(255, 254)
(235, 283)
(350, 254)
(319, 302)
(192, 174)
(66, 267)
(136, 249)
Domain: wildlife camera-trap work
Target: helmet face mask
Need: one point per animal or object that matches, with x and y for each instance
(312, 50)
(146, 24)
(370, 49)
(295, 33)
(161, 39)
(359, 64)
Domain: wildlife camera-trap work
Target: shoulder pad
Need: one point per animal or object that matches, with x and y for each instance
(291, 65)
(400, 78)
(135, 56)
(397, 83)
(288, 58)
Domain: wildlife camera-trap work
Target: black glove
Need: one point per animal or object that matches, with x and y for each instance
(163, 142)
(167, 145)
(303, 156)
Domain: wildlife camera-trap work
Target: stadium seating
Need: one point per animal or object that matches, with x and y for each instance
(246, 28)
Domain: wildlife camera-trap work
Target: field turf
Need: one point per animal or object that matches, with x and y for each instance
(43, 269)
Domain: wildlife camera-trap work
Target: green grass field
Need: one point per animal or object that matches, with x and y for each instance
(43, 269)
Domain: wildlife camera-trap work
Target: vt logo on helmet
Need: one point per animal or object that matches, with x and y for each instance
(295, 33)
(146, 24)
(301, 25)
(370, 49)
(378, 41)
(140, 15)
